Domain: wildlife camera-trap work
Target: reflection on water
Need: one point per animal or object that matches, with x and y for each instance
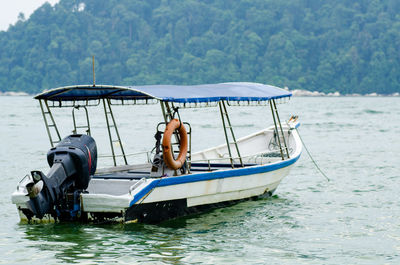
(170, 242)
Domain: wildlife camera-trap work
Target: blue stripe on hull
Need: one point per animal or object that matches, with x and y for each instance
(168, 181)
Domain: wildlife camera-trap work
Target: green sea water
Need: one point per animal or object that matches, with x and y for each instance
(352, 219)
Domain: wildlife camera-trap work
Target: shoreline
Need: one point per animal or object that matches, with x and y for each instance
(14, 94)
(306, 93)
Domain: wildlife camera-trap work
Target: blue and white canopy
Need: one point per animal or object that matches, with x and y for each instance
(235, 91)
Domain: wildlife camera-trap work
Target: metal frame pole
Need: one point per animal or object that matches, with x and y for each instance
(221, 107)
(109, 132)
(276, 130)
(280, 126)
(232, 133)
(75, 131)
(116, 131)
(163, 111)
(47, 124)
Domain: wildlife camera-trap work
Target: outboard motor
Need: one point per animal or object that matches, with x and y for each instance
(72, 163)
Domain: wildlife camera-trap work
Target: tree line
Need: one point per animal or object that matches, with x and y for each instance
(337, 45)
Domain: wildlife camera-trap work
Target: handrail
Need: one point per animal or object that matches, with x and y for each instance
(148, 155)
(256, 156)
(131, 154)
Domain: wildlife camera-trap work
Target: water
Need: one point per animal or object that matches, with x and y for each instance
(353, 219)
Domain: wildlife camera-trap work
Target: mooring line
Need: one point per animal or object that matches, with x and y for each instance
(312, 159)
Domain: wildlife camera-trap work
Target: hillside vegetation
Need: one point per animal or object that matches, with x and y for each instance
(336, 45)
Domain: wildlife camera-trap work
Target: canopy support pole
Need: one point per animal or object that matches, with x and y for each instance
(108, 112)
(224, 114)
(164, 112)
(274, 112)
(168, 117)
(280, 126)
(87, 126)
(50, 123)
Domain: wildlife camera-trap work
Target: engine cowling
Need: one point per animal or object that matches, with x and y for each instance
(72, 163)
(82, 150)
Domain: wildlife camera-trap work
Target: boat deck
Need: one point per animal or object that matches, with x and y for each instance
(117, 181)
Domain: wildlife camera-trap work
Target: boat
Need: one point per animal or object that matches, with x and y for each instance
(173, 180)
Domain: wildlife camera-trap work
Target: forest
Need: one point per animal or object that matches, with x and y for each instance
(317, 45)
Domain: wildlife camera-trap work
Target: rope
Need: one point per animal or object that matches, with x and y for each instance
(158, 141)
(176, 111)
(312, 159)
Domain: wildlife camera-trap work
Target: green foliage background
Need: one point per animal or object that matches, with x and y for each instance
(337, 45)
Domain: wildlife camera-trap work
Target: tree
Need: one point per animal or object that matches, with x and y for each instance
(352, 47)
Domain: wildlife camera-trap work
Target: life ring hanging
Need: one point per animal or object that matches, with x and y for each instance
(166, 145)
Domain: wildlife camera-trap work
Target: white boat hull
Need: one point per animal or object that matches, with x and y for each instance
(220, 189)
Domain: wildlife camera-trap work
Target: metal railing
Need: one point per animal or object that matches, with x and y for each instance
(267, 157)
(148, 155)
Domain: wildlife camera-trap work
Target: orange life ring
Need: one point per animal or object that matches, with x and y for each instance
(166, 145)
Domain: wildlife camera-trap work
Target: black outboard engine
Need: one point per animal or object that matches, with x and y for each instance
(73, 162)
